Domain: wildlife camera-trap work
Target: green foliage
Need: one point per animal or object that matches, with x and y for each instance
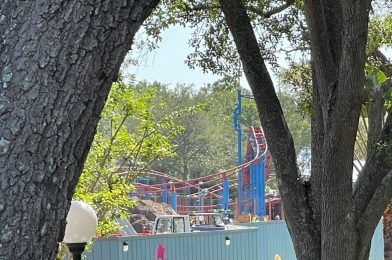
(179, 131)
(131, 135)
(212, 47)
(381, 77)
(207, 143)
(298, 123)
(380, 32)
(299, 78)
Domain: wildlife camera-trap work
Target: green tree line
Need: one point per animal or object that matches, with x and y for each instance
(183, 131)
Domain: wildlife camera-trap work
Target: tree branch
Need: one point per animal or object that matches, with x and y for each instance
(326, 46)
(253, 9)
(200, 7)
(317, 145)
(376, 114)
(279, 9)
(271, 12)
(377, 166)
(280, 142)
(338, 80)
(108, 151)
(376, 206)
(386, 65)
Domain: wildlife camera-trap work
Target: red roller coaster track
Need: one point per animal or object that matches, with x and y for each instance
(256, 148)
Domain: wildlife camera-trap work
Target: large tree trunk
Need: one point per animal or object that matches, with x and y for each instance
(57, 62)
(337, 85)
(327, 218)
(301, 226)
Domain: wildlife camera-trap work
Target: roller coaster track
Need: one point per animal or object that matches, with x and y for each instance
(256, 148)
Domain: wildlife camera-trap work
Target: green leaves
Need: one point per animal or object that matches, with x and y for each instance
(212, 47)
(381, 77)
(132, 133)
(207, 143)
(297, 78)
(380, 32)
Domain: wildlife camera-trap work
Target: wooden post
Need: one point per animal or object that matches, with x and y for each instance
(269, 209)
(236, 209)
(283, 216)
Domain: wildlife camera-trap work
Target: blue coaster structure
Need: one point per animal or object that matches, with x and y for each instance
(251, 179)
(210, 192)
(203, 194)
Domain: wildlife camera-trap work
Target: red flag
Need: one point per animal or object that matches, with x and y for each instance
(160, 252)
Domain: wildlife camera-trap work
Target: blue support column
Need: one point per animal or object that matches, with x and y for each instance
(147, 195)
(164, 190)
(225, 193)
(173, 196)
(220, 200)
(252, 186)
(173, 200)
(237, 127)
(260, 188)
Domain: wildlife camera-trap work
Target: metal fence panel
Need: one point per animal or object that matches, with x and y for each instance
(186, 246)
(274, 239)
(377, 248)
(262, 241)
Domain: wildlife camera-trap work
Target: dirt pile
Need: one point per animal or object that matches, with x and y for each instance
(145, 211)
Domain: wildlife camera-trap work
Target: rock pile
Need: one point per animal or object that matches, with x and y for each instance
(145, 211)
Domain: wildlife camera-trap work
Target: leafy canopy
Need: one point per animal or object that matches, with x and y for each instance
(131, 135)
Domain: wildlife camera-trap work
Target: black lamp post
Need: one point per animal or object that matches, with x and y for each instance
(81, 225)
(76, 250)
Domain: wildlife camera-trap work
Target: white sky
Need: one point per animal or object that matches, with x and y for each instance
(166, 64)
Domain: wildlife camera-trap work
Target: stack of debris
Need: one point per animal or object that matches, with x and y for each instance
(144, 212)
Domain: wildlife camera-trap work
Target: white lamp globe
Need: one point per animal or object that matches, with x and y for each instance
(81, 223)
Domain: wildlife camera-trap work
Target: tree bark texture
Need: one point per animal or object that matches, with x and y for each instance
(280, 143)
(327, 218)
(57, 62)
(338, 33)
